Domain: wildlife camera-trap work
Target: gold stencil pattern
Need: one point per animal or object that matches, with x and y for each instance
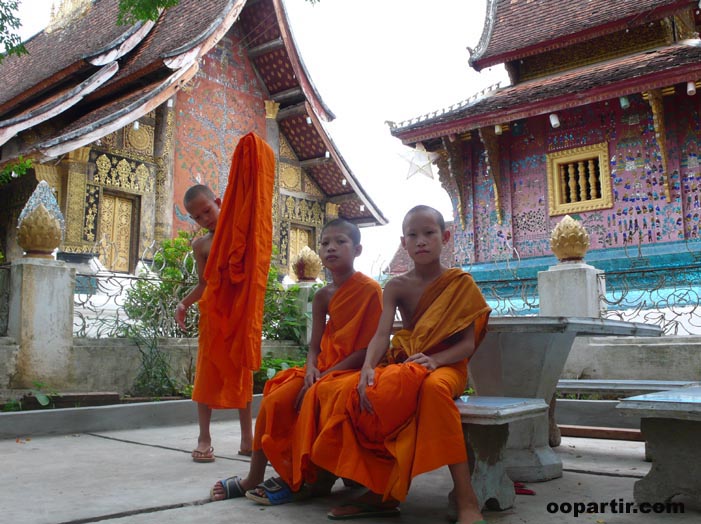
(74, 206)
(311, 187)
(115, 232)
(303, 211)
(123, 174)
(140, 139)
(285, 149)
(290, 177)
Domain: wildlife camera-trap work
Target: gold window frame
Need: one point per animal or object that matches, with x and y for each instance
(556, 193)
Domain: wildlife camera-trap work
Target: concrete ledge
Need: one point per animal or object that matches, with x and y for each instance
(107, 418)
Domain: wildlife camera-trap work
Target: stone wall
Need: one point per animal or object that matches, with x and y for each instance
(112, 364)
(635, 358)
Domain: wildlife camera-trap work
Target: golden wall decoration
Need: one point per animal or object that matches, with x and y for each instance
(124, 174)
(332, 210)
(74, 207)
(303, 211)
(140, 139)
(311, 188)
(286, 150)
(576, 172)
(92, 205)
(290, 177)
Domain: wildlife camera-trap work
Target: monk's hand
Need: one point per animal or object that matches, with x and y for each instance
(423, 360)
(367, 378)
(180, 312)
(312, 375)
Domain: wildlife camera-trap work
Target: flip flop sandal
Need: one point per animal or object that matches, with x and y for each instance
(275, 492)
(245, 452)
(232, 489)
(203, 456)
(366, 511)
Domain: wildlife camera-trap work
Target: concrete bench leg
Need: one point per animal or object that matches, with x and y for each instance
(676, 469)
(485, 448)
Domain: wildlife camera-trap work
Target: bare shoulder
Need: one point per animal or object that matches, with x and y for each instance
(323, 297)
(400, 283)
(202, 244)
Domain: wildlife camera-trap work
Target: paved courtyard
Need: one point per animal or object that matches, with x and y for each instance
(146, 476)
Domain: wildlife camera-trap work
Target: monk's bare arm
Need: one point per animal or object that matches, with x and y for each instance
(320, 307)
(463, 348)
(379, 342)
(199, 249)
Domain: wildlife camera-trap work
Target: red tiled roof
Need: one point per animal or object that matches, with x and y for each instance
(517, 28)
(576, 87)
(58, 66)
(51, 53)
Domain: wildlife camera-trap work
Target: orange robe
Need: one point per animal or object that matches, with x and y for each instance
(354, 311)
(231, 307)
(415, 426)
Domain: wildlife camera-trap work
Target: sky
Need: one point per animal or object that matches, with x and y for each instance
(374, 61)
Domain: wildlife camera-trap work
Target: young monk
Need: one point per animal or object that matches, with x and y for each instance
(399, 420)
(232, 264)
(344, 317)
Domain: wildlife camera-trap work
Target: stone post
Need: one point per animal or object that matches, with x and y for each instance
(41, 321)
(571, 288)
(41, 296)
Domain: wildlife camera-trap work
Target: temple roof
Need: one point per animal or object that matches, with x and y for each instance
(89, 77)
(576, 87)
(515, 29)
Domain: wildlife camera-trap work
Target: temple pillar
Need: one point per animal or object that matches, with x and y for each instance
(76, 164)
(163, 154)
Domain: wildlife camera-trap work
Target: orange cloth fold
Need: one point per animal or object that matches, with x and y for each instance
(285, 435)
(231, 307)
(415, 426)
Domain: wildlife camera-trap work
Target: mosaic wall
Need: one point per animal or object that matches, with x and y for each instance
(223, 102)
(641, 213)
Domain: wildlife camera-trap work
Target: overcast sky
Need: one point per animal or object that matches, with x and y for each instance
(373, 61)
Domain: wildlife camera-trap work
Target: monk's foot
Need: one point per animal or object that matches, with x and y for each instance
(369, 504)
(204, 452)
(246, 447)
(230, 488)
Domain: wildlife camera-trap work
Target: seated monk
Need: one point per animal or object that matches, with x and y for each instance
(399, 420)
(344, 318)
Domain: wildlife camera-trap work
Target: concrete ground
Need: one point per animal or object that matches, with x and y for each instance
(144, 476)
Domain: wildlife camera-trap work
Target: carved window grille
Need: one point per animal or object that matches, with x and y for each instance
(579, 180)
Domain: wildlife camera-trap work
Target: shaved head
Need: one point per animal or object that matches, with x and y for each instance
(198, 190)
(425, 209)
(350, 229)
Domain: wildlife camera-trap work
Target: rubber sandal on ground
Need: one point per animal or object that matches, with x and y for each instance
(245, 452)
(232, 489)
(364, 511)
(275, 491)
(203, 456)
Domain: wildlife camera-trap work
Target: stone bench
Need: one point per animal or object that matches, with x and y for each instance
(671, 424)
(600, 418)
(485, 423)
(623, 388)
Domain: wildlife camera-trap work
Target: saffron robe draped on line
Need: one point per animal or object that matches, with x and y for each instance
(231, 307)
(415, 426)
(353, 314)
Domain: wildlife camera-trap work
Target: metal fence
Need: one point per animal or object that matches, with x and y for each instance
(110, 304)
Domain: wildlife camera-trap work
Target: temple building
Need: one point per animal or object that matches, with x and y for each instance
(121, 119)
(601, 121)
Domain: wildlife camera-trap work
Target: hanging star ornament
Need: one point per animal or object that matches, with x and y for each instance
(419, 160)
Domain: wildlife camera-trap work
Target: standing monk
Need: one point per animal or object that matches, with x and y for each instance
(393, 422)
(231, 304)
